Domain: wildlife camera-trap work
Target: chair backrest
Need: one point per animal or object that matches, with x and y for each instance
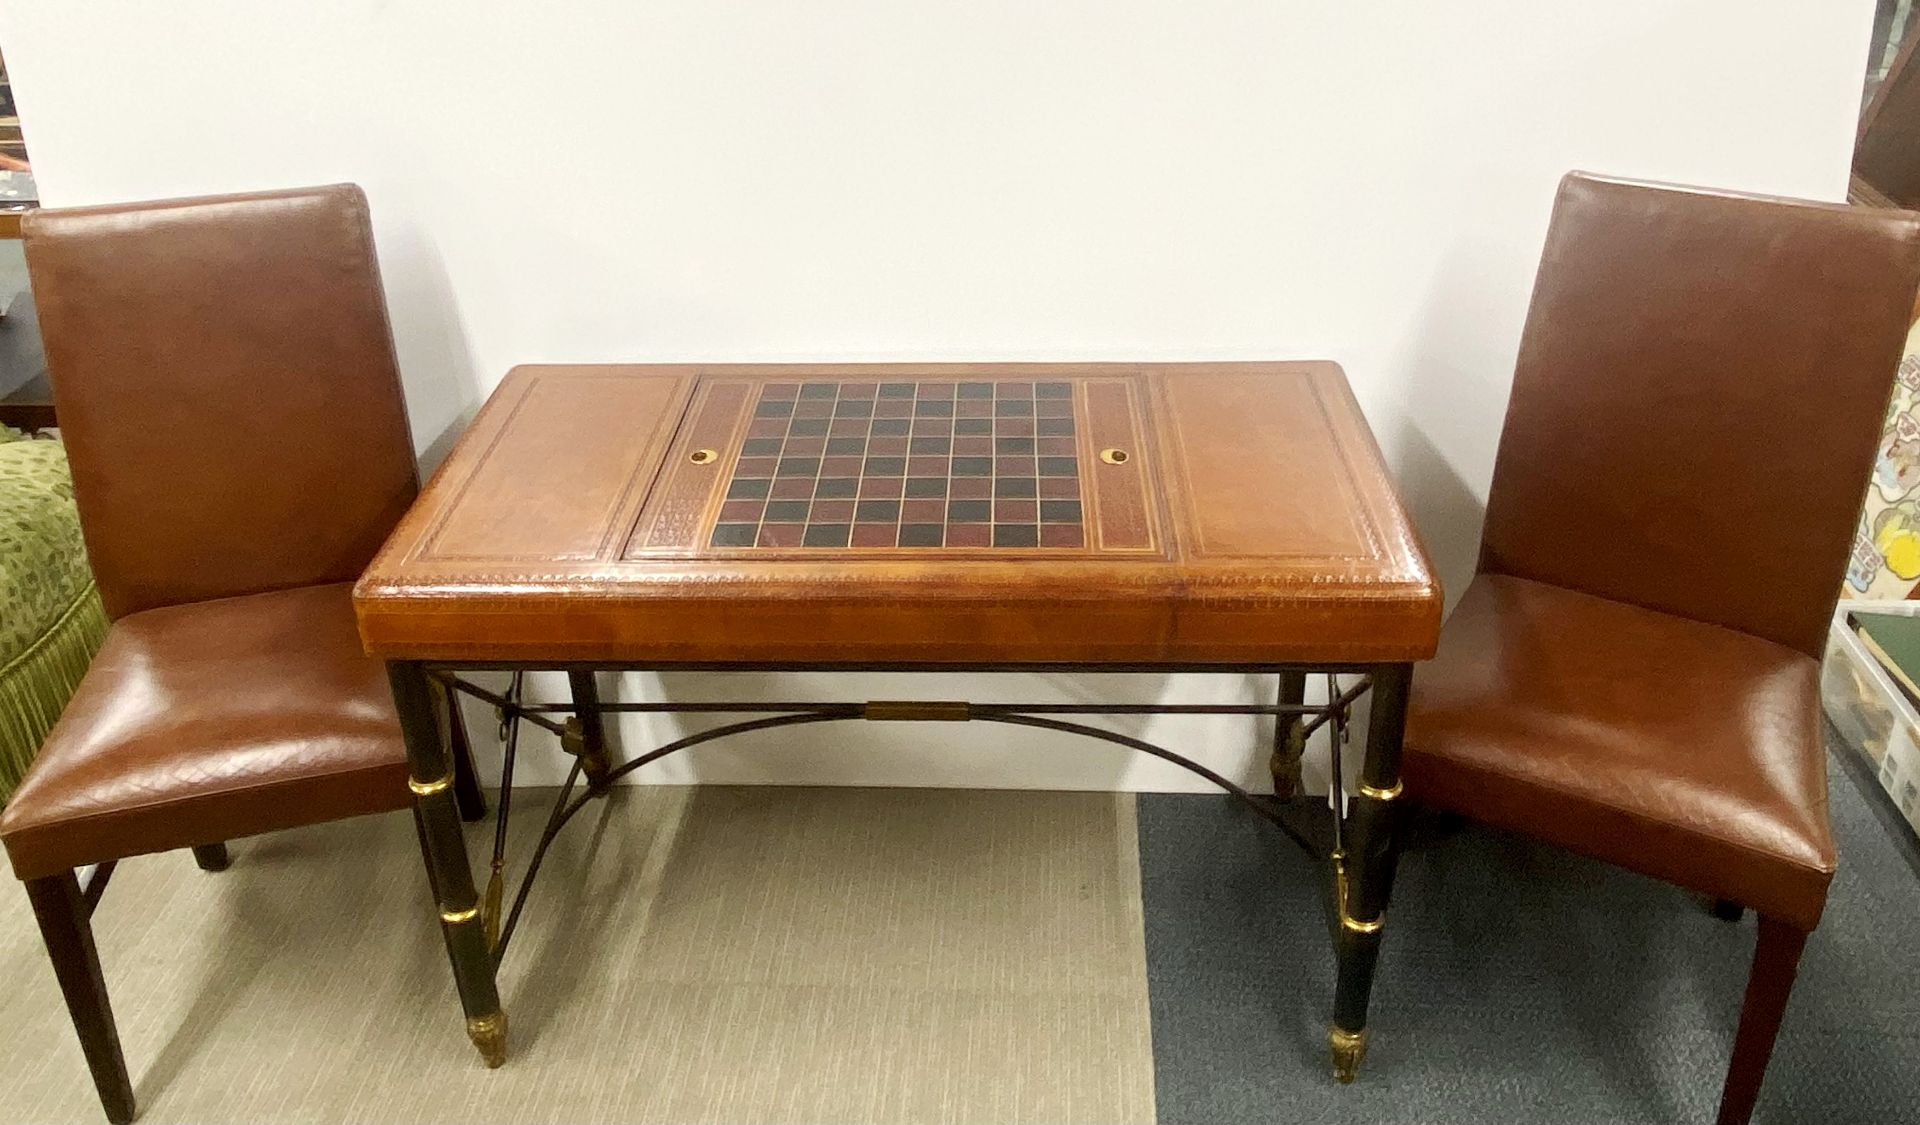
(1700, 389)
(226, 387)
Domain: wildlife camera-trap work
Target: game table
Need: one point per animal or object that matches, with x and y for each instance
(1214, 517)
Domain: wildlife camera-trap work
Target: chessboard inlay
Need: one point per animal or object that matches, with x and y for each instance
(907, 464)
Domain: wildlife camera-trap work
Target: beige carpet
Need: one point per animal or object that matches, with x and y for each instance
(690, 955)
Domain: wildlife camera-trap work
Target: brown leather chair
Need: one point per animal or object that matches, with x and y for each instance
(227, 390)
(1634, 673)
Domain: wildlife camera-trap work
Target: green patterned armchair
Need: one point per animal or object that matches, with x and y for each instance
(51, 621)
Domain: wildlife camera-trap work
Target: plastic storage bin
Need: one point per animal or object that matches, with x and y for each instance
(1870, 712)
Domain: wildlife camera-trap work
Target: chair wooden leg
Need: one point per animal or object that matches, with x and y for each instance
(1776, 957)
(212, 857)
(62, 912)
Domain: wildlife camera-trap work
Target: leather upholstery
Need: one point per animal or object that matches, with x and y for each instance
(1686, 751)
(206, 722)
(1634, 674)
(1251, 520)
(1699, 391)
(233, 417)
(226, 384)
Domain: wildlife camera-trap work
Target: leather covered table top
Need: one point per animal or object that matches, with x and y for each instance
(1162, 514)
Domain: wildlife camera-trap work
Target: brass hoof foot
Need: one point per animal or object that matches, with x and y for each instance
(489, 1034)
(1349, 1047)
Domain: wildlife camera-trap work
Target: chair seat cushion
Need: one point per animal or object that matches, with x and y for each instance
(1686, 751)
(210, 721)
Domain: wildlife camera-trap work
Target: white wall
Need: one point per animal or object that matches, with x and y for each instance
(955, 179)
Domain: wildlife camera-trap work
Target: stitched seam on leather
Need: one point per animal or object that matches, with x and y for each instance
(1677, 616)
(1625, 811)
(1805, 914)
(94, 819)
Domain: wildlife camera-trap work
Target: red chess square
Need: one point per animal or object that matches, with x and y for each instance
(840, 467)
(936, 391)
(742, 511)
(1013, 467)
(923, 511)
(768, 427)
(1062, 535)
(1055, 447)
(755, 467)
(1016, 511)
(970, 488)
(1059, 488)
(874, 534)
(887, 446)
(926, 466)
(780, 392)
(881, 488)
(831, 511)
(859, 390)
(805, 446)
(848, 427)
(1013, 427)
(814, 408)
(893, 408)
(793, 488)
(972, 446)
(969, 535)
(781, 534)
(973, 408)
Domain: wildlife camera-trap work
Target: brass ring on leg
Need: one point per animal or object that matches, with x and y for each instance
(1355, 926)
(429, 788)
(1347, 921)
(1378, 794)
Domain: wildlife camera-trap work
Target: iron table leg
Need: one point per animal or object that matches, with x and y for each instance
(467, 795)
(1363, 875)
(431, 779)
(586, 736)
(1289, 737)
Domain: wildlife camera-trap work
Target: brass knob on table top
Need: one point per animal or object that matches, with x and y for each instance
(1114, 456)
(704, 456)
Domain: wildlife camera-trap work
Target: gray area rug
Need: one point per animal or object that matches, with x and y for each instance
(1517, 983)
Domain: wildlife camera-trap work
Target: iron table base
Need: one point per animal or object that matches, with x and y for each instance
(1356, 838)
